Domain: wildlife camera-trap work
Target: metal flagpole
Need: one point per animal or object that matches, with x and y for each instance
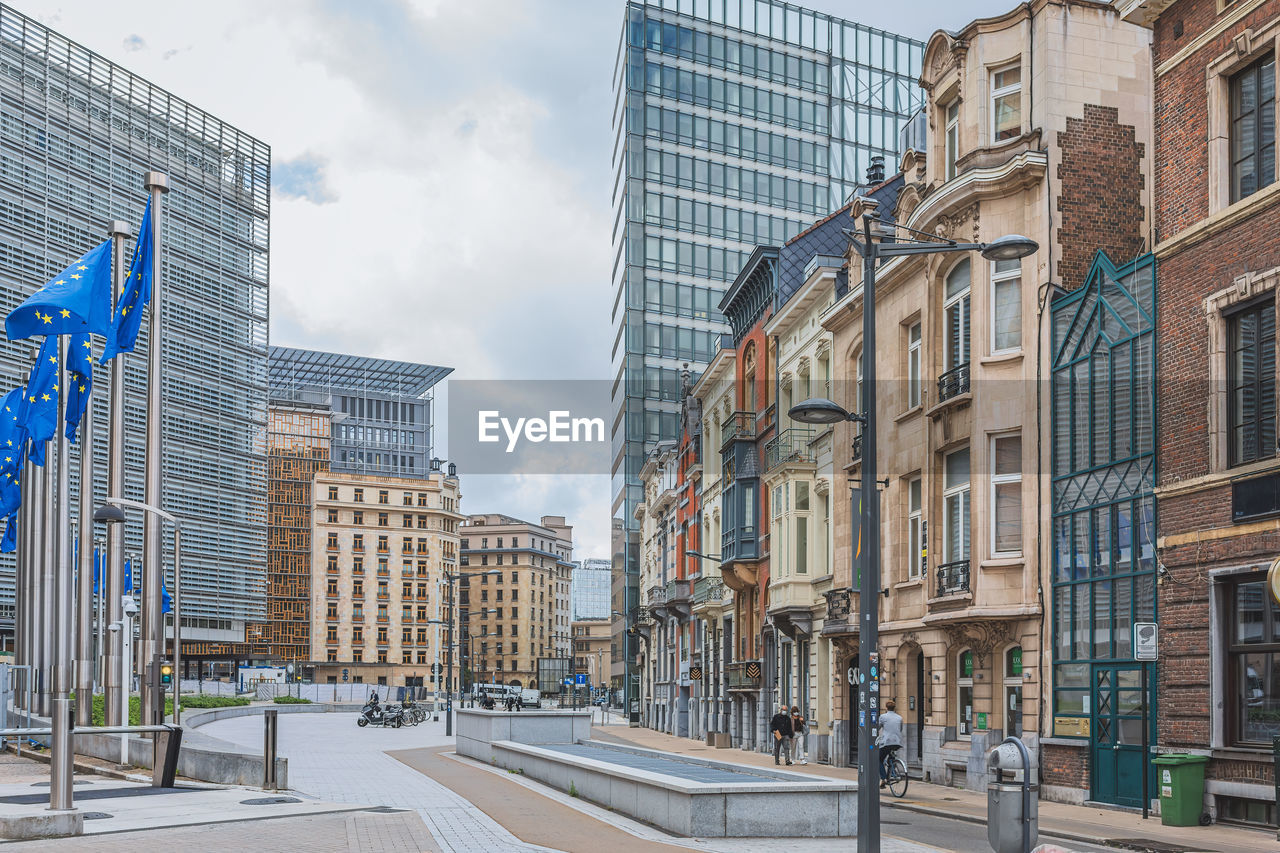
(47, 536)
(152, 640)
(22, 589)
(84, 587)
(64, 624)
(31, 505)
(115, 691)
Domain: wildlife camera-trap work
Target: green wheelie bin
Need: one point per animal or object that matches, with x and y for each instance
(1180, 779)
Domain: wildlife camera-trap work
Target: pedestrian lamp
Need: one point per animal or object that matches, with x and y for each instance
(870, 244)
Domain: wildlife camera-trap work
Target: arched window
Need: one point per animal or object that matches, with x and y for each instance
(956, 308)
(1013, 691)
(964, 693)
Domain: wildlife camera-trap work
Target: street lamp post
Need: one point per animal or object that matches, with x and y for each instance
(451, 578)
(823, 411)
(111, 513)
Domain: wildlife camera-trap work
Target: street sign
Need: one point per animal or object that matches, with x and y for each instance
(568, 682)
(580, 678)
(695, 673)
(1146, 641)
(344, 674)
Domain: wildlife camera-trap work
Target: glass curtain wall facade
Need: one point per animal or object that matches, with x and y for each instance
(590, 590)
(77, 135)
(737, 123)
(384, 407)
(1104, 555)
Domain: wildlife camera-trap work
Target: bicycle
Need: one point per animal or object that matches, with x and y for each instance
(896, 775)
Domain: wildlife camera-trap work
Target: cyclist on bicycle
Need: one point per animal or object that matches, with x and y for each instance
(890, 739)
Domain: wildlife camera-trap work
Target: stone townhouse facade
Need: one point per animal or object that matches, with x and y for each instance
(1037, 126)
(1217, 244)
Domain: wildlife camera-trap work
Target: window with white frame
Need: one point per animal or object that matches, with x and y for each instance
(1006, 494)
(952, 137)
(914, 518)
(1006, 102)
(1006, 306)
(955, 499)
(802, 527)
(913, 366)
(956, 311)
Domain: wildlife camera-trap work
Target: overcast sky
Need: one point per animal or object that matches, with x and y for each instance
(441, 176)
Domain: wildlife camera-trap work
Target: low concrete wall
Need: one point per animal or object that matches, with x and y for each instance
(477, 729)
(780, 804)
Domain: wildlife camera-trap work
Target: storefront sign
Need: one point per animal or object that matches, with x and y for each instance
(1015, 661)
(1070, 726)
(982, 721)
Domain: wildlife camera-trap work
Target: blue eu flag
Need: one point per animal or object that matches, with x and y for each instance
(9, 543)
(77, 300)
(123, 333)
(128, 574)
(79, 381)
(13, 437)
(38, 414)
(166, 600)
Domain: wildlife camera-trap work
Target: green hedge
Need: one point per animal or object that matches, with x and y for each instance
(292, 700)
(207, 701)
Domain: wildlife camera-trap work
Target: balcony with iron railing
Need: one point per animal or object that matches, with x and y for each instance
(790, 445)
(743, 675)
(953, 578)
(953, 383)
(740, 426)
(710, 592)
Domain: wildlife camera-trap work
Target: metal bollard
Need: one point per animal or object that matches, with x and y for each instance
(269, 749)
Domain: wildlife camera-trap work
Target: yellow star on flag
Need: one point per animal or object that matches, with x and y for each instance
(81, 389)
(75, 275)
(87, 345)
(44, 397)
(82, 267)
(46, 317)
(53, 359)
(66, 312)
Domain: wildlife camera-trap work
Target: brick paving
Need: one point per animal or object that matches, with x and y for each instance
(403, 832)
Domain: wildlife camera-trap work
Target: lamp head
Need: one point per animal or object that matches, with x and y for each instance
(818, 410)
(1010, 247)
(109, 513)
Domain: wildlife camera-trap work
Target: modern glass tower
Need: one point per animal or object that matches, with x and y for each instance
(77, 134)
(383, 407)
(737, 123)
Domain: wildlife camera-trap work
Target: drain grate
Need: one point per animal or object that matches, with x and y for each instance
(96, 815)
(270, 801)
(385, 810)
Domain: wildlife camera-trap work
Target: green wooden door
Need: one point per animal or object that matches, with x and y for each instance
(1117, 734)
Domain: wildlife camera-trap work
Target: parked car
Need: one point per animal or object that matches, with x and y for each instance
(530, 698)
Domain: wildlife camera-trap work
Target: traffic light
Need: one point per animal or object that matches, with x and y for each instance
(166, 674)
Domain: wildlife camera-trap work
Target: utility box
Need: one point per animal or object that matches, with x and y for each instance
(1013, 799)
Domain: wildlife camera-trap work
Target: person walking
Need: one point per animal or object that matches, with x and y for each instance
(799, 736)
(780, 727)
(890, 738)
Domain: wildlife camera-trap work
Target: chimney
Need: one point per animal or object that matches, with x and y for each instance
(875, 173)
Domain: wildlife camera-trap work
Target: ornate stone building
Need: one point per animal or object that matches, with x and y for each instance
(1038, 125)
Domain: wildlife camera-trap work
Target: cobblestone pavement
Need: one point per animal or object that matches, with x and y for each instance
(332, 759)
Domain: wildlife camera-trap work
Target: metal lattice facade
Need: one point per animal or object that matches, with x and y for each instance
(77, 134)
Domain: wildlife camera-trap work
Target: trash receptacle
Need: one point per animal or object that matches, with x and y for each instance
(1013, 798)
(1181, 779)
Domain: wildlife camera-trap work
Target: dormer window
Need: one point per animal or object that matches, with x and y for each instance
(1006, 102)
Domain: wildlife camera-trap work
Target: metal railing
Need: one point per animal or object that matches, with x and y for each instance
(790, 445)
(657, 595)
(740, 425)
(709, 591)
(678, 591)
(742, 674)
(953, 577)
(953, 383)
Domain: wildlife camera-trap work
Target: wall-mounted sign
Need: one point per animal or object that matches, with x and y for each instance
(1146, 641)
(695, 673)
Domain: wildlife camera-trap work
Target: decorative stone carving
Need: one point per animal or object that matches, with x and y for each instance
(952, 226)
(980, 637)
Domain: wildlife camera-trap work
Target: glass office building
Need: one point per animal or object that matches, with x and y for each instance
(590, 589)
(77, 134)
(383, 407)
(737, 123)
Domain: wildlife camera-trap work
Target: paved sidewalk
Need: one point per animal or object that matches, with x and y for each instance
(1077, 823)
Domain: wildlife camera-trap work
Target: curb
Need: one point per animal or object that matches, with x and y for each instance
(1042, 830)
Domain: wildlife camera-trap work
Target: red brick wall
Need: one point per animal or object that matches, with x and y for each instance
(1184, 280)
(1064, 765)
(1100, 200)
(1181, 104)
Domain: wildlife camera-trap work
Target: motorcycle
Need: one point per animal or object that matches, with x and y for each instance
(393, 717)
(372, 712)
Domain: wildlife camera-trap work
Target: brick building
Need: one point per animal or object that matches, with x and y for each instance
(1217, 241)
